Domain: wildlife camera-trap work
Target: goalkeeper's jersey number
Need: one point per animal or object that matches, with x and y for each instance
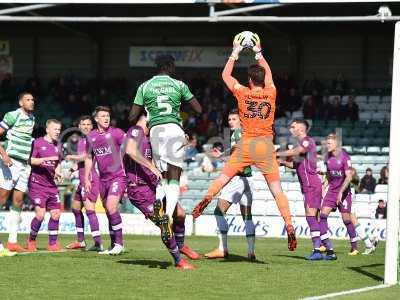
(255, 109)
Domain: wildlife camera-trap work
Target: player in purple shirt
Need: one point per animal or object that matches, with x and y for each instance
(82, 199)
(143, 178)
(104, 143)
(339, 175)
(43, 190)
(305, 163)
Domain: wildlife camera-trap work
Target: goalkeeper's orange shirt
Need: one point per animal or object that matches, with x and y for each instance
(256, 110)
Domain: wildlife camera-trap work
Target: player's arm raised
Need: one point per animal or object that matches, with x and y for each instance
(227, 77)
(262, 62)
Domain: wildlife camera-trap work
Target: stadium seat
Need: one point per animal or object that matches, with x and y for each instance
(365, 116)
(374, 99)
(282, 140)
(360, 99)
(378, 116)
(381, 188)
(362, 198)
(272, 209)
(297, 114)
(373, 150)
(360, 149)
(345, 99)
(294, 186)
(386, 99)
(295, 196)
(382, 159)
(378, 196)
(280, 122)
(385, 150)
(362, 210)
(259, 184)
(282, 130)
(259, 208)
(234, 210)
(348, 149)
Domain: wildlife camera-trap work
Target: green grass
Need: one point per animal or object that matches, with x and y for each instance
(146, 272)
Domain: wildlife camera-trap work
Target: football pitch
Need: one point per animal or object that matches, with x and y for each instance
(146, 272)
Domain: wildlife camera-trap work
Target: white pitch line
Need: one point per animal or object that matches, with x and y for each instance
(332, 295)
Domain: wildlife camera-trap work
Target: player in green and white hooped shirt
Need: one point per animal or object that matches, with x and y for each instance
(14, 168)
(162, 96)
(237, 191)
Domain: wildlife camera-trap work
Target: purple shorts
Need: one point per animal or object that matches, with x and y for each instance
(313, 197)
(142, 197)
(114, 187)
(81, 195)
(43, 197)
(330, 201)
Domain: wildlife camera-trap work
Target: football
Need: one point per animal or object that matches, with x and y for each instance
(246, 39)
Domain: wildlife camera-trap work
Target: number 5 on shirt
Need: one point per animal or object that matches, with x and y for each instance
(162, 104)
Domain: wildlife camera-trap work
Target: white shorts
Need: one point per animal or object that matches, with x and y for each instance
(168, 145)
(238, 190)
(14, 177)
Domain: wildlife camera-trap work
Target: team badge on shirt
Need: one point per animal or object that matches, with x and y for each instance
(135, 132)
(305, 144)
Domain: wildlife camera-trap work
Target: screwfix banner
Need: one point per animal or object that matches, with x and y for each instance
(198, 57)
(274, 226)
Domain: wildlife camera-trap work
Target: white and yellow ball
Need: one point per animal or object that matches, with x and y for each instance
(246, 39)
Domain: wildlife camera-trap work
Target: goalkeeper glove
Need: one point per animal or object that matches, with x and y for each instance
(257, 46)
(237, 48)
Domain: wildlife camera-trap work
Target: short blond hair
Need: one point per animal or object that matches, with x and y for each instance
(54, 121)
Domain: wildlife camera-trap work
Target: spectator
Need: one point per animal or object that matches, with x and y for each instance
(312, 84)
(339, 84)
(204, 123)
(350, 110)
(384, 176)
(324, 109)
(309, 109)
(380, 212)
(293, 101)
(213, 159)
(336, 110)
(355, 181)
(191, 149)
(368, 183)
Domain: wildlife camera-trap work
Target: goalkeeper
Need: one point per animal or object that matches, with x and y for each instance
(256, 105)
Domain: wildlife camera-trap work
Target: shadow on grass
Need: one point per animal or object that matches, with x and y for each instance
(361, 270)
(154, 264)
(239, 258)
(291, 256)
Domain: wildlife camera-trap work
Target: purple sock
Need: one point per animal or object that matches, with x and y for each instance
(352, 234)
(116, 224)
(179, 231)
(53, 231)
(35, 227)
(94, 226)
(173, 250)
(111, 231)
(323, 224)
(315, 231)
(79, 224)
